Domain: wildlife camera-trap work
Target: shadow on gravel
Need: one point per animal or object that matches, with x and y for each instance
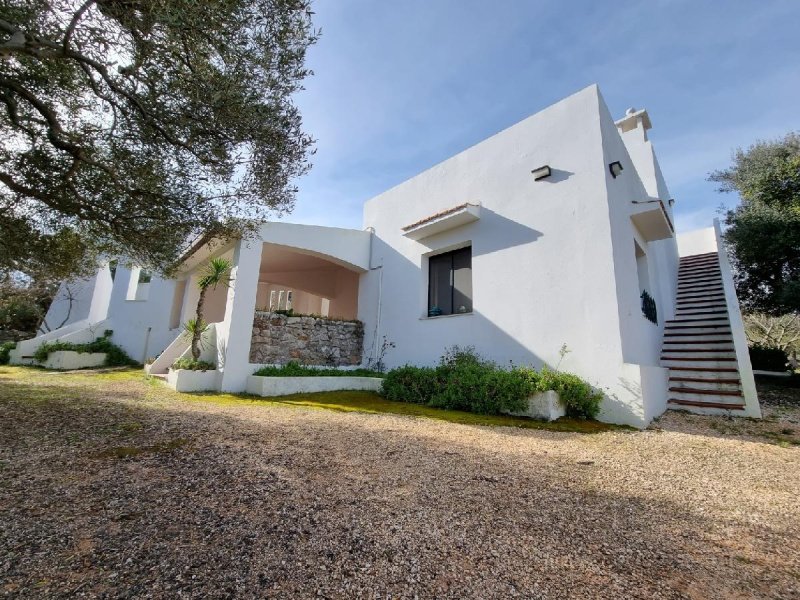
(308, 503)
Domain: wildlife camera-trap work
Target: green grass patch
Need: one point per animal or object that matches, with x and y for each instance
(96, 384)
(372, 403)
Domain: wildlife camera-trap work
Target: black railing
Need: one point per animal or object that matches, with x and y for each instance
(649, 309)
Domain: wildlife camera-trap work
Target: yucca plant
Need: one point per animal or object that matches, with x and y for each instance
(216, 272)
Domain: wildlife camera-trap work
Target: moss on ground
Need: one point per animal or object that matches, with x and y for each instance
(98, 383)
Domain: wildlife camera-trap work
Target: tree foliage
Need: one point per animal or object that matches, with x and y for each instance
(781, 332)
(764, 230)
(129, 127)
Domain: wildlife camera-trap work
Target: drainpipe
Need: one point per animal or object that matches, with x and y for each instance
(380, 294)
(146, 344)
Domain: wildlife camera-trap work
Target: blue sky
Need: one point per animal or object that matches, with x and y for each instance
(401, 86)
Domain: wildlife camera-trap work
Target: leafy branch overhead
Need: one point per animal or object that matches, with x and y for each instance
(137, 125)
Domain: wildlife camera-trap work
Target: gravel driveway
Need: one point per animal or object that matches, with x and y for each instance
(111, 486)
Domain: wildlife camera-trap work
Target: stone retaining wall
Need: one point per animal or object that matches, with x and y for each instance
(278, 339)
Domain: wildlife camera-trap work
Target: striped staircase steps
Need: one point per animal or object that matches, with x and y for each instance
(698, 345)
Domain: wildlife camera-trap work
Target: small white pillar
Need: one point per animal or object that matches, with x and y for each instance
(235, 332)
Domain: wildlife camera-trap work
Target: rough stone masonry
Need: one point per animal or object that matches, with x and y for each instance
(278, 339)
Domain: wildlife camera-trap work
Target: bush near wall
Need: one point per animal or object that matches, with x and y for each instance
(190, 364)
(764, 358)
(5, 350)
(465, 381)
(115, 356)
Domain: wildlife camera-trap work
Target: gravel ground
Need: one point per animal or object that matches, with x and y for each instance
(114, 487)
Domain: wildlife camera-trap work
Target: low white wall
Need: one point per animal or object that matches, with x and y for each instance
(184, 380)
(284, 386)
(752, 407)
(67, 360)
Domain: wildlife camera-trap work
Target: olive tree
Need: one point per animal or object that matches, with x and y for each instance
(129, 127)
(763, 231)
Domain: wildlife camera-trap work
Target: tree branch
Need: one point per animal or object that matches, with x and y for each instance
(74, 22)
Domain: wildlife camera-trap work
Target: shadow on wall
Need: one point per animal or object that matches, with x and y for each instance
(496, 233)
(557, 175)
(422, 341)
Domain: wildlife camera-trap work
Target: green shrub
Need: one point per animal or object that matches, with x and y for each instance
(465, 381)
(580, 400)
(410, 384)
(295, 369)
(5, 350)
(765, 358)
(115, 356)
(190, 364)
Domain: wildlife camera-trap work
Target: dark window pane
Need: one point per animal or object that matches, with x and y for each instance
(450, 283)
(439, 289)
(462, 280)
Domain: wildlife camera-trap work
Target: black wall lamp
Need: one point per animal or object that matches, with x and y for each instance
(615, 168)
(541, 173)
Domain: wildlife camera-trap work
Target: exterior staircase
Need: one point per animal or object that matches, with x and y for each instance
(698, 344)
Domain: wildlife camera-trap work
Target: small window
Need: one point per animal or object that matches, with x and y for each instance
(450, 283)
(139, 284)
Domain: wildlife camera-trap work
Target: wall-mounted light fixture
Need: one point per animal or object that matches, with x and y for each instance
(671, 201)
(541, 173)
(615, 168)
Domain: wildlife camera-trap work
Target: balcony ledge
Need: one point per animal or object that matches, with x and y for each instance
(652, 220)
(451, 218)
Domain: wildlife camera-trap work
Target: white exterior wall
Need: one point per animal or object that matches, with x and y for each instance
(543, 265)
(141, 327)
(553, 263)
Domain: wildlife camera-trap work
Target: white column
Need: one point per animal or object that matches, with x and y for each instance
(234, 333)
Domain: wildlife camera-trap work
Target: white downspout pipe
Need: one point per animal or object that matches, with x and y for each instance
(380, 296)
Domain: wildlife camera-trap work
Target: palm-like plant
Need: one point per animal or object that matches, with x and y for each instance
(216, 272)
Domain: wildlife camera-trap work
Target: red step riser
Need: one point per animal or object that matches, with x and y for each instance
(681, 335)
(700, 294)
(697, 256)
(703, 350)
(702, 380)
(689, 303)
(705, 369)
(699, 259)
(700, 404)
(705, 392)
(697, 359)
(728, 341)
(708, 271)
(700, 288)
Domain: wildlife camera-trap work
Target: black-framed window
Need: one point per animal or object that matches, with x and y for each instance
(450, 283)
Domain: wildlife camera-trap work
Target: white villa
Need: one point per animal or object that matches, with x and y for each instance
(556, 231)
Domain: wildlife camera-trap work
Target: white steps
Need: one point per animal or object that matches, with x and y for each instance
(698, 347)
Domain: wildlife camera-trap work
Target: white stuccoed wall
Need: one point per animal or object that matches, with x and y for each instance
(543, 263)
(553, 263)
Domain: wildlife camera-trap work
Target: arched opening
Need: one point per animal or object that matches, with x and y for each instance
(308, 284)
